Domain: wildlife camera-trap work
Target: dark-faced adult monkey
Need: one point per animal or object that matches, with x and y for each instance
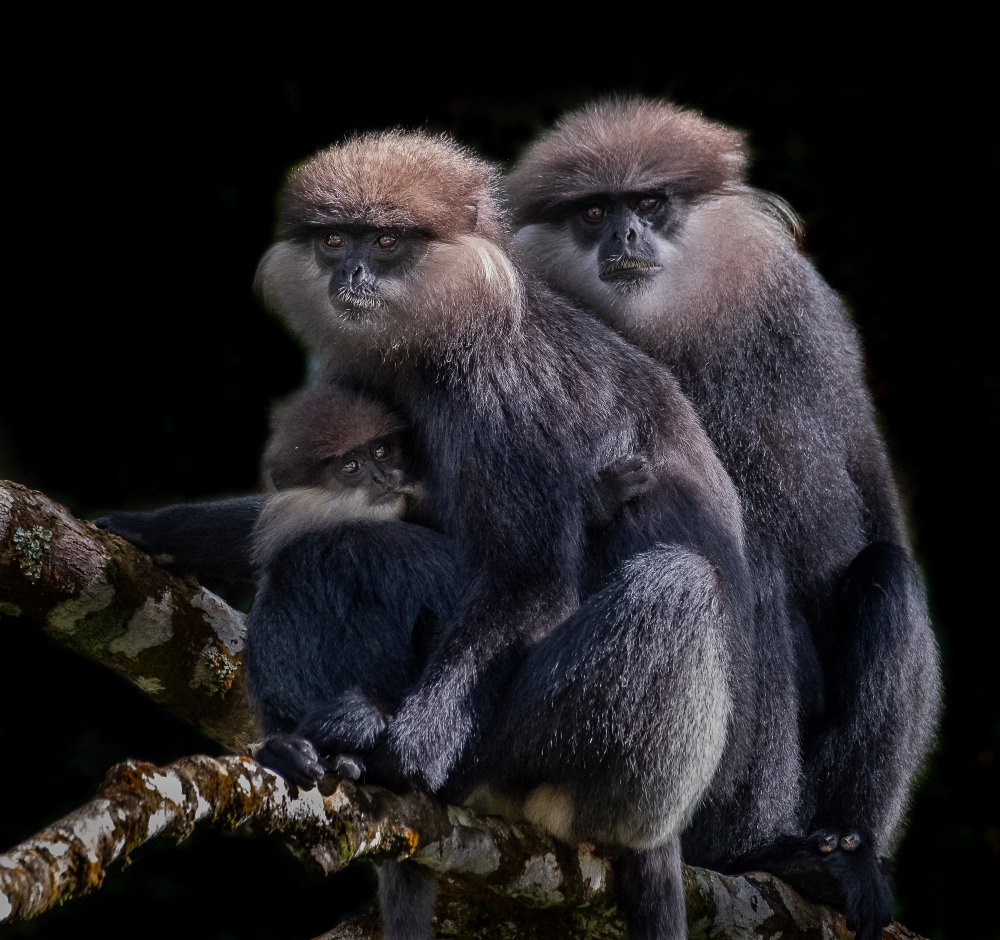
(640, 211)
(349, 589)
(596, 687)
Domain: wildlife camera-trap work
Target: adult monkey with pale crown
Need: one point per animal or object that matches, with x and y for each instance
(595, 686)
(640, 210)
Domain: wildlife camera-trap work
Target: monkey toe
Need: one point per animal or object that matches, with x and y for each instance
(826, 842)
(851, 842)
(829, 840)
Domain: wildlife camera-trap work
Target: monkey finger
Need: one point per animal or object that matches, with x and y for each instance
(345, 766)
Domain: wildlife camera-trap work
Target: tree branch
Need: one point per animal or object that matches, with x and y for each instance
(98, 595)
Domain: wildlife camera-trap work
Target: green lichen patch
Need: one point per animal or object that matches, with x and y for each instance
(30, 546)
(222, 670)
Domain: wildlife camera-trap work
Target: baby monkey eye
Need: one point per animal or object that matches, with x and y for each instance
(350, 467)
(646, 204)
(594, 213)
(381, 451)
(333, 240)
(387, 241)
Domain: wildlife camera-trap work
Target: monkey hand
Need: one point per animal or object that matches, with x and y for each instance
(292, 756)
(139, 528)
(620, 482)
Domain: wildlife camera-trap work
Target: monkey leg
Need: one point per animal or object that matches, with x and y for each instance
(881, 710)
(613, 726)
(621, 714)
(330, 641)
(755, 795)
(883, 700)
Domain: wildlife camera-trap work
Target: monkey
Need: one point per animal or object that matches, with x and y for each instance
(338, 461)
(593, 686)
(346, 508)
(640, 210)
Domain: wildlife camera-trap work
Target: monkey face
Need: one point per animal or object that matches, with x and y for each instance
(625, 231)
(362, 264)
(375, 469)
(338, 284)
(608, 250)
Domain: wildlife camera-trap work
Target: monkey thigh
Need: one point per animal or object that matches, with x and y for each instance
(614, 724)
(336, 611)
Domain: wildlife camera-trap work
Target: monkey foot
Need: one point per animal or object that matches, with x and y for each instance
(837, 867)
(828, 840)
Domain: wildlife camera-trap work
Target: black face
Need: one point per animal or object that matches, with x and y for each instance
(375, 468)
(625, 228)
(361, 260)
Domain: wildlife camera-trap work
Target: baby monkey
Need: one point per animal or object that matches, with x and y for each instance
(346, 509)
(333, 457)
(330, 664)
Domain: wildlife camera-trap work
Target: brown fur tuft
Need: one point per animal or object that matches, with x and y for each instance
(395, 179)
(318, 424)
(625, 145)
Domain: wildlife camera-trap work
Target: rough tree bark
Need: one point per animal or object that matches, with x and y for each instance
(97, 595)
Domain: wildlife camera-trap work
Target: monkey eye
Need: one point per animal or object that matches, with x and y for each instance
(387, 241)
(333, 240)
(646, 204)
(381, 451)
(350, 467)
(595, 213)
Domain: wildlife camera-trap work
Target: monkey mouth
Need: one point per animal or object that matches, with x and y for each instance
(627, 269)
(355, 306)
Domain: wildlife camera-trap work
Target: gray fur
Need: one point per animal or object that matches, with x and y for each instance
(594, 674)
(849, 675)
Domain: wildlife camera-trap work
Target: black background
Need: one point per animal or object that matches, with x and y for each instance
(137, 369)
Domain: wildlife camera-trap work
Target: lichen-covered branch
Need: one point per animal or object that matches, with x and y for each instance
(96, 594)
(498, 880)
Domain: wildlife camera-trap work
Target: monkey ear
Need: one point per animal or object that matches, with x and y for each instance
(472, 211)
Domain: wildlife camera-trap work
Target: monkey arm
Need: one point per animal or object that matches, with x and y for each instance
(455, 697)
(209, 539)
(526, 559)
